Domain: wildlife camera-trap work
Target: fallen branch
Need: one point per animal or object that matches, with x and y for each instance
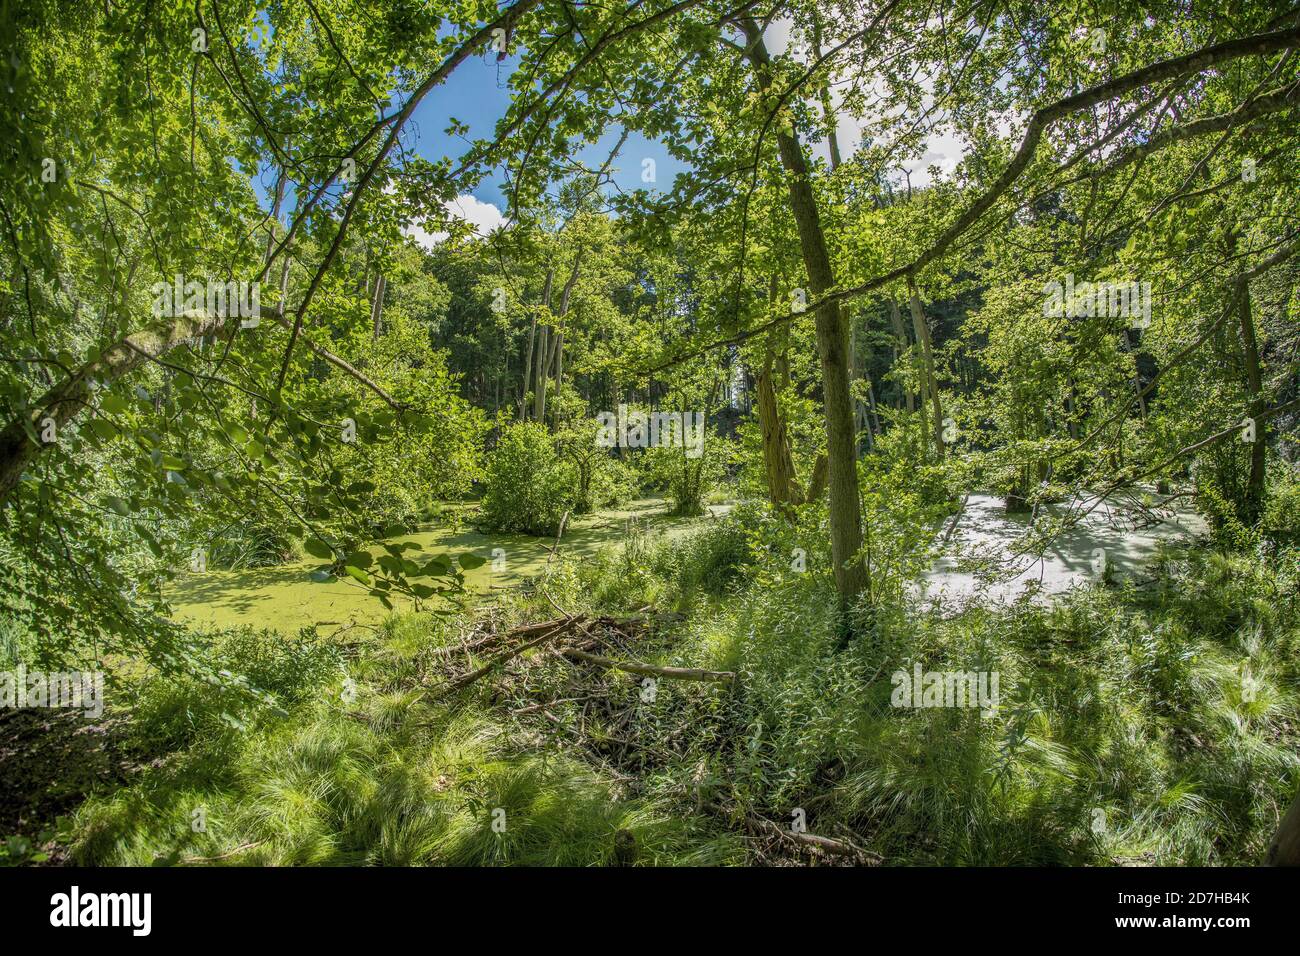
(508, 656)
(825, 844)
(632, 667)
(222, 856)
(496, 638)
(558, 535)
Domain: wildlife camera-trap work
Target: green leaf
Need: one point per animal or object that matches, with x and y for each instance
(469, 561)
(114, 404)
(318, 548)
(360, 575)
(439, 564)
(359, 559)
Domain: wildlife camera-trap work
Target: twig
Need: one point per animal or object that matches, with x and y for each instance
(509, 655)
(222, 856)
(632, 667)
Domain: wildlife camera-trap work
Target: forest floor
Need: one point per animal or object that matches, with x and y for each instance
(1128, 699)
(52, 759)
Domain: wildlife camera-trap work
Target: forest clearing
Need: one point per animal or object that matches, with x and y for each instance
(672, 433)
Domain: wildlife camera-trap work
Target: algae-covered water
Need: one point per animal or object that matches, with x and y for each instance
(285, 599)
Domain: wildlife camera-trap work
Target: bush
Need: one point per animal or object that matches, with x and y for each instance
(251, 669)
(687, 481)
(1281, 520)
(527, 488)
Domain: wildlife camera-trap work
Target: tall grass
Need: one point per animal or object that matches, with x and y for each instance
(1135, 726)
(370, 775)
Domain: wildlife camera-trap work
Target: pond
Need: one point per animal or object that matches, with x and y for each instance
(1119, 537)
(285, 599)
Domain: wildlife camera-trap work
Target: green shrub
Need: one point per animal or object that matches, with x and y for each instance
(686, 481)
(526, 489)
(249, 670)
(1281, 519)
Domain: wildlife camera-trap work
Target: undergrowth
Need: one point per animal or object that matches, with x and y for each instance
(1153, 723)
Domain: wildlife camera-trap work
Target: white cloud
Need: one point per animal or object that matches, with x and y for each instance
(483, 216)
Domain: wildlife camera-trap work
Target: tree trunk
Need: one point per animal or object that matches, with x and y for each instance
(526, 382)
(549, 355)
(873, 425)
(539, 386)
(782, 484)
(528, 369)
(832, 348)
(1255, 489)
(377, 309)
(832, 137)
(1285, 848)
(782, 481)
(275, 214)
(900, 336)
(817, 482)
(927, 355)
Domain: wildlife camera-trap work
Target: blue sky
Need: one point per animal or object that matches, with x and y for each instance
(477, 95)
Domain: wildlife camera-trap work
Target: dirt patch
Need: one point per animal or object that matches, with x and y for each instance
(50, 761)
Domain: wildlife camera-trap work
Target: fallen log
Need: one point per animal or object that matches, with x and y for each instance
(497, 637)
(826, 844)
(632, 667)
(496, 662)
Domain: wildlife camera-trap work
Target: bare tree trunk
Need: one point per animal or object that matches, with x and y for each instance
(527, 381)
(543, 360)
(832, 137)
(778, 460)
(528, 369)
(270, 240)
(927, 355)
(832, 348)
(550, 354)
(873, 427)
(275, 209)
(377, 309)
(818, 480)
(900, 335)
(782, 484)
(1255, 490)
(559, 364)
